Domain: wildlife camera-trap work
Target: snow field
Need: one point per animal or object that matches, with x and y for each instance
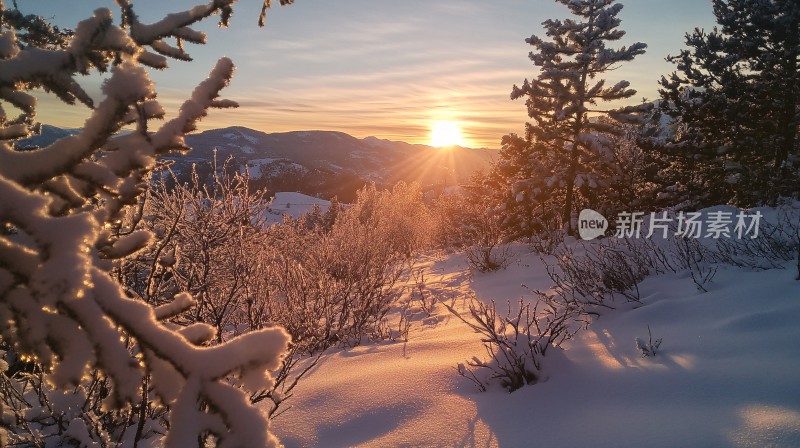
(726, 374)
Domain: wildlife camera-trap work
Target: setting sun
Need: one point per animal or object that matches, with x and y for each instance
(446, 133)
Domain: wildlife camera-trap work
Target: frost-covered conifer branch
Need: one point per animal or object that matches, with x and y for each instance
(62, 232)
(174, 25)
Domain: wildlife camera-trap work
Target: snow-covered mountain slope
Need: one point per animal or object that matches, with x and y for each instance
(48, 135)
(292, 204)
(332, 163)
(322, 163)
(726, 374)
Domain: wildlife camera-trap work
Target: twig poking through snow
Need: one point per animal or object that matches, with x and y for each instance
(648, 348)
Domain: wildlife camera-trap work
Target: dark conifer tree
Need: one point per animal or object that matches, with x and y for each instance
(735, 95)
(567, 90)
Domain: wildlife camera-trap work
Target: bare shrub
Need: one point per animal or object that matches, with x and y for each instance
(399, 215)
(336, 287)
(425, 299)
(797, 248)
(448, 215)
(487, 257)
(516, 343)
(594, 280)
(465, 220)
(333, 288)
(692, 255)
(648, 253)
(483, 233)
(332, 277)
(702, 275)
(775, 245)
(547, 240)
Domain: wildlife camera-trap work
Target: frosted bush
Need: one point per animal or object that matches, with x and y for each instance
(208, 238)
(329, 278)
(466, 220)
(335, 285)
(516, 343)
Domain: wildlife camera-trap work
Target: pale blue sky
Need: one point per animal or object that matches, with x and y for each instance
(387, 68)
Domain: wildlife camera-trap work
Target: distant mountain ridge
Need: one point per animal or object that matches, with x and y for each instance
(48, 135)
(319, 163)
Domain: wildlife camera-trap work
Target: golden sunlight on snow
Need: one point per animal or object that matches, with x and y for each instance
(764, 425)
(405, 394)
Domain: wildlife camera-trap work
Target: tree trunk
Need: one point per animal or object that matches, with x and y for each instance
(577, 131)
(571, 173)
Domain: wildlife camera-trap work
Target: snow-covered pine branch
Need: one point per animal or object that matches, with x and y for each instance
(61, 237)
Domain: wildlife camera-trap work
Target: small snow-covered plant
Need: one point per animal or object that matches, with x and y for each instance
(649, 348)
(516, 343)
(468, 219)
(63, 236)
(484, 230)
(426, 299)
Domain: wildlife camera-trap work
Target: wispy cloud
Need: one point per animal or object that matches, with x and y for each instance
(389, 68)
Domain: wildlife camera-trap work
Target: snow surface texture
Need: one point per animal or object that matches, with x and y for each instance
(725, 375)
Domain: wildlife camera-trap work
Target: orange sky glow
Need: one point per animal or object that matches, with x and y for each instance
(382, 68)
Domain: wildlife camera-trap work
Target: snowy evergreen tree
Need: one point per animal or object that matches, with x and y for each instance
(567, 90)
(64, 234)
(736, 94)
(527, 209)
(528, 194)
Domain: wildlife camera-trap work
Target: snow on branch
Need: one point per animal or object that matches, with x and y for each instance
(62, 233)
(267, 4)
(128, 85)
